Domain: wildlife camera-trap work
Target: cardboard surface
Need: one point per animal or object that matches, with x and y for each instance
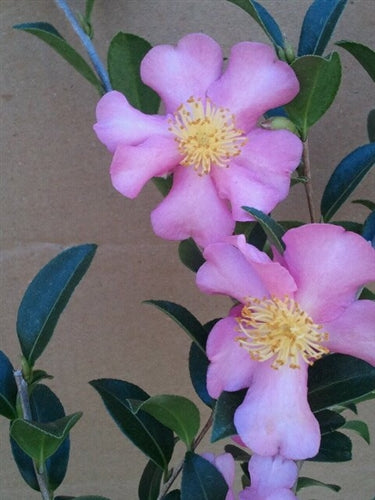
(56, 192)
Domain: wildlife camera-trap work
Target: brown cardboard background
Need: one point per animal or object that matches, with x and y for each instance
(56, 192)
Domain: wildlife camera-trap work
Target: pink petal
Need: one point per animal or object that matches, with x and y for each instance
(192, 208)
(177, 73)
(275, 418)
(119, 123)
(133, 166)
(329, 266)
(231, 367)
(353, 332)
(260, 176)
(254, 82)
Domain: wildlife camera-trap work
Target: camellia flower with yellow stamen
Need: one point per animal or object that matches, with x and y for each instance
(293, 310)
(209, 138)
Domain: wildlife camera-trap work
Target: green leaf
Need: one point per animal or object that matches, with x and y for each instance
(366, 203)
(334, 447)
(52, 37)
(337, 379)
(329, 421)
(198, 366)
(238, 454)
(8, 388)
(345, 178)
(364, 55)
(319, 80)
(149, 435)
(371, 125)
(226, 405)
(367, 294)
(38, 375)
(175, 412)
(184, 319)
(174, 495)
(359, 427)
(149, 484)
(164, 184)
(47, 296)
(305, 482)
(263, 18)
(125, 54)
(273, 229)
(84, 497)
(201, 480)
(190, 254)
(318, 25)
(41, 440)
(369, 229)
(348, 225)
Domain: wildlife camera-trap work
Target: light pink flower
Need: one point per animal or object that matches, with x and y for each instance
(209, 138)
(224, 463)
(293, 310)
(271, 479)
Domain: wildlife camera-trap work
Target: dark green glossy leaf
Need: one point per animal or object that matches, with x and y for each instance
(369, 229)
(337, 379)
(360, 427)
(329, 421)
(237, 453)
(257, 236)
(184, 319)
(164, 184)
(52, 37)
(348, 225)
(366, 203)
(305, 482)
(371, 125)
(149, 484)
(345, 178)
(175, 412)
(38, 375)
(319, 80)
(201, 480)
(263, 18)
(47, 296)
(149, 435)
(367, 294)
(273, 229)
(8, 388)
(84, 497)
(225, 407)
(364, 55)
(174, 495)
(198, 365)
(125, 54)
(334, 447)
(190, 254)
(318, 25)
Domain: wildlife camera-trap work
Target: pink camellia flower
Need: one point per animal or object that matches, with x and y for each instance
(271, 479)
(294, 309)
(224, 463)
(209, 138)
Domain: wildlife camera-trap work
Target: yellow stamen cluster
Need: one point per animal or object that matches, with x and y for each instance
(206, 135)
(279, 328)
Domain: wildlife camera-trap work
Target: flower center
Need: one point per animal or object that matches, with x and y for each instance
(206, 135)
(279, 328)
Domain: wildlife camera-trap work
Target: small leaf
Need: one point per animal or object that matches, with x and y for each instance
(47, 296)
(337, 379)
(52, 37)
(151, 437)
(175, 412)
(125, 54)
(184, 319)
(367, 294)
(369, 229)
(164, 184)
(190, 254)
(201, 480)
(366, 203)
(334, 447)
(237, 453)
(319, 80)
(305, 482)
(371, 125)
(257, 236)
(273, 230)
(345, 178)
(348, 225)
(198, 366)
(8, 388)
(38, 375)
(359, 427)
(263, 18)
(149, 484)
(364, 55)
(318, 25)
(41, 440)
(226, 405)
(329, 421)
(174, 495)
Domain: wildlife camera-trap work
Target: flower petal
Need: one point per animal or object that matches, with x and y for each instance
(177, 73)
(119, 123)
(329, 266)
(192, 208)
(275, 417)
(133, 166)
(353, 332)
(260, 176)
(231, 367)
(254, 82)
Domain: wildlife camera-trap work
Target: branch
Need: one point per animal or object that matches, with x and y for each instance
(308, 185)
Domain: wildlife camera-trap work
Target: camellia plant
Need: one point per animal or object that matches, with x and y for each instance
(297, 346)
